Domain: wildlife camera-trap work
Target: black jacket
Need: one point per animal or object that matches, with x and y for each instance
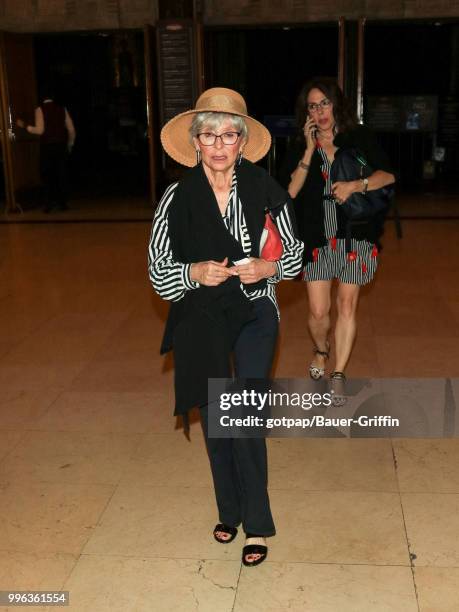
(202, 327)
(308, 203)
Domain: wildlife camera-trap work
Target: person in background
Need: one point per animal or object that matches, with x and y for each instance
(54, 125)
(325, 123)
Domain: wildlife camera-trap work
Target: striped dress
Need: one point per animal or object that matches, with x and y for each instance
(171, 279)
(331, 261)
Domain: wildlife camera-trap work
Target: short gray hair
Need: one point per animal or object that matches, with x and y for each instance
(214, 120)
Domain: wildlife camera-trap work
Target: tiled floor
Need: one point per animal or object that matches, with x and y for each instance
(138, 208)
(102, 495)
(107, 208)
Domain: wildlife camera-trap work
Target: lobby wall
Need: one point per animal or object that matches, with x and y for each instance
(71, 15)
(294, 11)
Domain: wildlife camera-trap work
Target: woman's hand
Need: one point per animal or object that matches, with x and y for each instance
(20, 123)
(342, 190)
(300, 173)
(255, 270)
(309, 131)
(211, 273)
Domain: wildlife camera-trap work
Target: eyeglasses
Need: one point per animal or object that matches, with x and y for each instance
(313, 107)
(209, 138)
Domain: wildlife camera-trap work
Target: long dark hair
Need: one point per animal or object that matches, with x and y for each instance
(345, 117)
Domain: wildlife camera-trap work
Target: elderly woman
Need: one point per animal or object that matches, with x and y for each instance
(204, 256)
(335, 248)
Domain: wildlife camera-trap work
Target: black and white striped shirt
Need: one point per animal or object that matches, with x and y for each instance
(171, 279)
(330, 221)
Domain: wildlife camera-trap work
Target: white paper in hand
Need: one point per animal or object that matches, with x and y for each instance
(263, 239)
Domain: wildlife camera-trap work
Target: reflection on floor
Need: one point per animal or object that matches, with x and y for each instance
(88, 209)
(138, 208)
(101, 495)
(428, 205)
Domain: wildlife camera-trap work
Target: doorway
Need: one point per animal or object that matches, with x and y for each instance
(268, 66)
(2, 181)
(411, 92)
(100, 78)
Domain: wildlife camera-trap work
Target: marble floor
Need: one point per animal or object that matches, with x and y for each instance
(138, 208)
(103, 496)
(108, 208)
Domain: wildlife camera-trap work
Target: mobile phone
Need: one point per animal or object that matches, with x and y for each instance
(314, 127)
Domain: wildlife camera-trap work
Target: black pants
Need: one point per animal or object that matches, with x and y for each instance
(53, 166)
(239, 466)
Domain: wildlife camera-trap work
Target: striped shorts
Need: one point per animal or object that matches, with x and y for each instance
(331, 261)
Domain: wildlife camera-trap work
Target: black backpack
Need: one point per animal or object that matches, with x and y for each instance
(351, 165)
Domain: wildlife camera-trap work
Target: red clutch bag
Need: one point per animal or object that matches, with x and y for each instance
(271, 247)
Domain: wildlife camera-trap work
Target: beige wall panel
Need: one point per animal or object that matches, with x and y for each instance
(51, 8)
(328, 9)
(241, 11)
(61, 15)
(283, 11)
(392, 9)
(137, 13)
(90, 14)
(15, 12)
(17, 9)
(64, 15)
(268, 11)
(431, 8)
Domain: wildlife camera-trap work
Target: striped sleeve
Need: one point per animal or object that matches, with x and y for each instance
(290, 264)
(170, 279)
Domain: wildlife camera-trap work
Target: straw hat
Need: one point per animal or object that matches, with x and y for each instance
(175, 135)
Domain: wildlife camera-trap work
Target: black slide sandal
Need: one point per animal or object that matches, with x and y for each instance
(232, 531)
(254, 549)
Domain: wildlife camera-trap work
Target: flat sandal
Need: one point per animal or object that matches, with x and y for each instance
(254, 549)
(232, 531)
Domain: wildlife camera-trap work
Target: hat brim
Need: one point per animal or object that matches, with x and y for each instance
(175, 138)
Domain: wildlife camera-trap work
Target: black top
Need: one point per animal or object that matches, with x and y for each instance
(308, 203)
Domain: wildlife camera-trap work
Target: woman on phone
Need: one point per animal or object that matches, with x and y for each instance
(325, 123)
